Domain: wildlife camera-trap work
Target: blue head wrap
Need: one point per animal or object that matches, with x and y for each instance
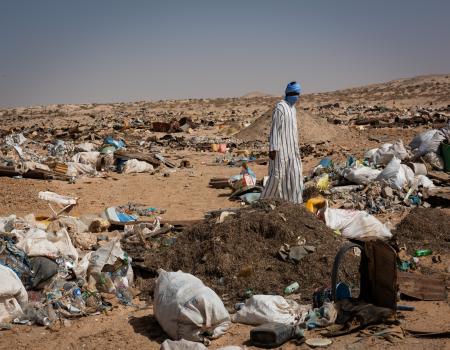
(292, 92)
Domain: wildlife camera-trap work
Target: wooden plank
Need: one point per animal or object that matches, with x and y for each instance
(146, 157)
(438, 192)
(422, 287)
(38, 174)
(439, 175)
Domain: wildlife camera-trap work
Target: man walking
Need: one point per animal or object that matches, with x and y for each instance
(285, 165)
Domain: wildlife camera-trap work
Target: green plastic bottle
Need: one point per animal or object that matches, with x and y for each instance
(423, 252)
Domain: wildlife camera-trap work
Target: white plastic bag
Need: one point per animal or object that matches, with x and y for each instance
(426, 142)
(137, 166)
(424, 181)
(186, 309)
(260, 309)
(37, 242)
(81, 268)
(386, 152)
(394, 174)
(356, 224)
(361, 175)
(107, 255)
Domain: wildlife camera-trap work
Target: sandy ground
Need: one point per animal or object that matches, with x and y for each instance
(134, 328)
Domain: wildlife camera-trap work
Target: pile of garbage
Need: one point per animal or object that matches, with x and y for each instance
(289, 245)
(62, 267)
(388, 178)
(65, 160)
(68, 160)
(280, 285)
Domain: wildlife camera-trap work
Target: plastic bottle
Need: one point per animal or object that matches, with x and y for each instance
(291, 288)
(77, 299)
(423, 252)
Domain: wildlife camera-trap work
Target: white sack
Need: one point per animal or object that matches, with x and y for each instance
(70, 223)
(75, 169)
(427, 142)
(361, 175)
(423, 137)
(136, 166)
(86, 158)
(182, 344)
(370, 153)
(11, 286)
(37, 242)
(260, 309)
(387, 151)
(356, 224)
(409, 174)
(394, 174)
(12, 294)
(185, 308)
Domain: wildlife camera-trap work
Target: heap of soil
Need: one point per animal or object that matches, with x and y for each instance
(425, 228)
(242, 252)
(311, 129)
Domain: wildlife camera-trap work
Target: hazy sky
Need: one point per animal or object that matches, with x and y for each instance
(61, 51)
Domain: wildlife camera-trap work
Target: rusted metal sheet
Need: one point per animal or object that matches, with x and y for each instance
(422, 287)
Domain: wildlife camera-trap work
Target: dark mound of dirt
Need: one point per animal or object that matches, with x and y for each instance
(425, 228)
(242, 252)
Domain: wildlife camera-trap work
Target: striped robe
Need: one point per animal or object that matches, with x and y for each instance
(285, 172)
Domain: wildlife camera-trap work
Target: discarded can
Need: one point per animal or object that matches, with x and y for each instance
(423, 252)
(238, 306)
(271, 335)
(291, 288)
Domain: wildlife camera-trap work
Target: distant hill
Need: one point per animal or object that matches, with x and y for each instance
(420, 90)
(254, 94)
